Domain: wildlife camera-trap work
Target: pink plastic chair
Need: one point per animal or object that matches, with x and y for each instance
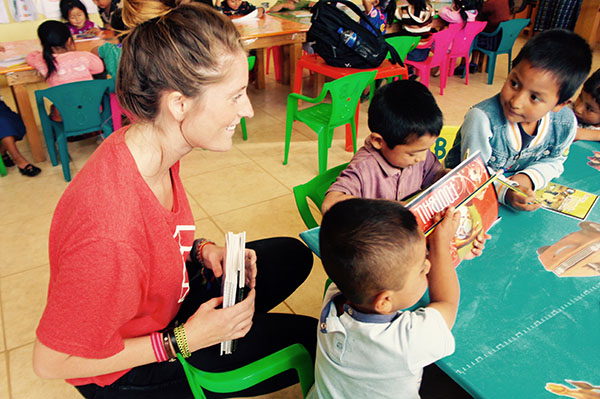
(461, 46)
(440, 42)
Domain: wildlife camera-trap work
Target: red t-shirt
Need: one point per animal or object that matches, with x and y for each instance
(117, 259)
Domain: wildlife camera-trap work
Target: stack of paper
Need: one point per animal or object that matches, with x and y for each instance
(234, 276)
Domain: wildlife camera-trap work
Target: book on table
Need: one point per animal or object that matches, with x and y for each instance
(468, 188)
(234, 279)
(566, 200)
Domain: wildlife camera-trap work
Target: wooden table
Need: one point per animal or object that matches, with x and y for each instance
(18, 76)
(522, 330)
(261, 33)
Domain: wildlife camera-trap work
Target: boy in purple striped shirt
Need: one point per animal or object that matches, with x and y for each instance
(395, 161)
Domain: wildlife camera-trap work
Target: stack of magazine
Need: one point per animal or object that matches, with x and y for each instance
(234, 277)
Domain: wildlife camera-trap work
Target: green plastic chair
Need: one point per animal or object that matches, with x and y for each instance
(510, 31)
(324, 117)
(79, 106)
(251, 62)
(292, 357)
(402, 44)
(2, 168)
(315, 189)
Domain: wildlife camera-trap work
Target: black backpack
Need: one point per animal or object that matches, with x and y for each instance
(327, 20)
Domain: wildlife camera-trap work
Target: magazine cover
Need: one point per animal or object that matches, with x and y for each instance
(477, 214)
(566, 200)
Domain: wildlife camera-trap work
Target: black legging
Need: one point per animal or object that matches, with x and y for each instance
(283, 264)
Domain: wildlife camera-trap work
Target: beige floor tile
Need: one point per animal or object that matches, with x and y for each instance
(206, 228)
(24, 244)
(23, 294)
(197, 210)
(26, 385)
(2, 343)
(233, 188)
(307, 299)
(201, 161)
(4, 388)
(271, 218)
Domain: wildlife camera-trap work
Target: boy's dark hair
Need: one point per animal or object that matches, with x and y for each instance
(403, 111)
(418, 5)
(366, 245)
(592, 86)
(52, 34)
(561, 52)
(117, 24)
(68, 5)
(467, 5)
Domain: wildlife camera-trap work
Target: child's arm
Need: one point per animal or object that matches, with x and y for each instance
(587, 134)
(444, 291)
(282, 4)
(332, 198)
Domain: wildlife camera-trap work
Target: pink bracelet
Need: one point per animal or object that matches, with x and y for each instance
(157, 346)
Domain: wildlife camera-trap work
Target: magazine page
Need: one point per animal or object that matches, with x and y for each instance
(234, 277)
(566, 200)
(477, 213)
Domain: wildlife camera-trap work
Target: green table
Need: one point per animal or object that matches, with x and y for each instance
(520, 326)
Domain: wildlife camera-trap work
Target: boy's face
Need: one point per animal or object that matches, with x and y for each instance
(234, 4)
(415, 282)
(529, 93)
(404, 155)
(586, 109)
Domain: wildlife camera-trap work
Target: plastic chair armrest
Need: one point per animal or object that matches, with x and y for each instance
(306, 98)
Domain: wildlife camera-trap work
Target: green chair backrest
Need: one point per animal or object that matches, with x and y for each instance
(510, 32)
(345, 94)
(315, 189)
(251, 62)
(402, 44)
(79, 104)
(292, 357)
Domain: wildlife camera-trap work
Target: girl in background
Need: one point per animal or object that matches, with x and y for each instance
(76, 15)
(462, 11)
(59, 62)
(380, 13)
(416, 19)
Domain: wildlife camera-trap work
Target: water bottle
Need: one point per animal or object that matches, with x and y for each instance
(351, 40)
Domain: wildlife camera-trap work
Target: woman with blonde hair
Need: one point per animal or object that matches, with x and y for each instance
(129, 286)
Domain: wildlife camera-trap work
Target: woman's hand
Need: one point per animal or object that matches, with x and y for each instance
(94, 31)
(210, 326)
(251, 270)
(213, 257)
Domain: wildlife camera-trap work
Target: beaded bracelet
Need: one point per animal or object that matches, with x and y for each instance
(182, 341)
(197, 248)
(159, 350)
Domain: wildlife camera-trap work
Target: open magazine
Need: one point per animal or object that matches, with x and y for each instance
(234, 281)
(468, 188)
(566, 200)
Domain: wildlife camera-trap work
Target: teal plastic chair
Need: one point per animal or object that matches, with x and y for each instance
(79, 105)
(315, 189)
(324, 117)
(509, 31)
(251, 62)
(293, 357)
(2, 168)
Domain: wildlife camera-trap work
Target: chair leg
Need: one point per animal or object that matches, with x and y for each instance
(244, 131)
(2, 168)
(424, 75)
(115, 110)
(492, 68)
(289, 124)
(466, 72)
(51, 145)
(323, 139)
(354, 139)
(64, 156)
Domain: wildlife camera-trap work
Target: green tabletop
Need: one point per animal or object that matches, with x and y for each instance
(519, 326)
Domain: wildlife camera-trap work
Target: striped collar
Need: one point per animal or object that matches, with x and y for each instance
(514, 135)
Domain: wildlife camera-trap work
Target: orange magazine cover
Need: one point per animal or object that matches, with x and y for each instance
(477, 214)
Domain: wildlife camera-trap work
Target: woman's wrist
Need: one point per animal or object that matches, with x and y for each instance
(198, 249)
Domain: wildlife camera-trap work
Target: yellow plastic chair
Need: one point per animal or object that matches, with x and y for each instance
(444, 142)
(292, 357)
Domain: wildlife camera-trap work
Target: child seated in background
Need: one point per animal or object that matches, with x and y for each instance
(377, 257)
(526, 128)
(291, 5)
(587, 109)
(110, 52)
(239, 7)
(59, 62)
(106, 8)
(380, 13)
(461, 11)
(76, 15)
(416, 19)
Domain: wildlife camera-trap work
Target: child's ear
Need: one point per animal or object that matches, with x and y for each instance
(377, 141)
(560, 106)
(383, 302)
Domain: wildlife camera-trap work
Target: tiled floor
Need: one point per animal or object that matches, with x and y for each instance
(246, 188)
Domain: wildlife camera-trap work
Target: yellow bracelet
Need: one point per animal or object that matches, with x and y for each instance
(182, 341)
